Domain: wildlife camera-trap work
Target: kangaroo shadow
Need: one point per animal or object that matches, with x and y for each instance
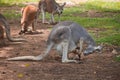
(33, 32)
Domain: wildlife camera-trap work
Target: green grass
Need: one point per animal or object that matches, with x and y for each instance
(108, 24)
(113, 39)
(11, 2)
(117, 58)
(102, 6)
(11, 14)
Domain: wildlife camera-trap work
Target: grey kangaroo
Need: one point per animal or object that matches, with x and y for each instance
(65, 37)
(50, 6)
(3, 22)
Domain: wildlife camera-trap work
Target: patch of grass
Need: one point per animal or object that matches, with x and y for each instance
(96, 5)
(14, 2)
(12, 14)
(117, 58)
(117, 18)
(112, 39)
(71, 10)
(17, 1)
(102, 5)
(88, 22)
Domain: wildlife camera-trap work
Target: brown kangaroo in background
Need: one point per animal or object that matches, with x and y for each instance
(29, 16)
(52, 7)
(4, 23)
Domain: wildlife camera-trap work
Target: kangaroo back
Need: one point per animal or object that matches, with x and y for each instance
(28, 14)
(48, 5)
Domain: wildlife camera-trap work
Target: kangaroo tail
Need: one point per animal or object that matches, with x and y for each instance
(16, 39)
(35, 58)
(7, 30)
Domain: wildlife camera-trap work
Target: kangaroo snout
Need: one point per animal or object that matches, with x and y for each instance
(91, 49)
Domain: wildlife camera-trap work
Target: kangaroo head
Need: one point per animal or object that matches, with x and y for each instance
(91, 49)
(60, 8)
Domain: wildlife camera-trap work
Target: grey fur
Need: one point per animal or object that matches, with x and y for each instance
(52, 7)
(65, 37)
(7, 29)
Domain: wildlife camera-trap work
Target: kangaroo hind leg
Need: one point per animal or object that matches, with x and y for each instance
(65, 59)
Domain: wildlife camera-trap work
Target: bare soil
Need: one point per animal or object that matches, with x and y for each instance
(96, 66)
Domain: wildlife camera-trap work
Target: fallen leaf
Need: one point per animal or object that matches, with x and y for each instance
(20, 75)
(27, 65)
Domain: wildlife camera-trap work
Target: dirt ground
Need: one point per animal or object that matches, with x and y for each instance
(96, 66)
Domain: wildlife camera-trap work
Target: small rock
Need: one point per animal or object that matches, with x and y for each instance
(114, 51)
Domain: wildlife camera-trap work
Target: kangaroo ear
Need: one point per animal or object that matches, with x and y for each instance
(64, 4)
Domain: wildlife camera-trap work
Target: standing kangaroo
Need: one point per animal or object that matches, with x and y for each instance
(50, 6)
(29, 16)
(3, 22)
(65, 37)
